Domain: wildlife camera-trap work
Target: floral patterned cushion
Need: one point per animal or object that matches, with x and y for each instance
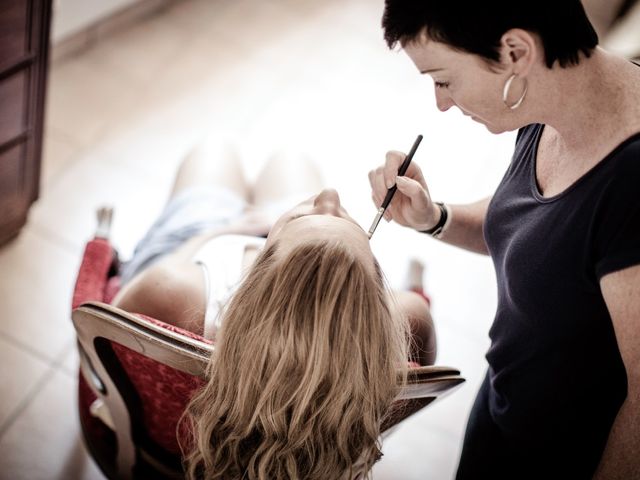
(164, 392)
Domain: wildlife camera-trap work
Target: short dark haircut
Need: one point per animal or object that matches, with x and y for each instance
(476, 26)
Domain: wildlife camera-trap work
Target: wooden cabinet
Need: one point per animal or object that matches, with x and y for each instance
(24, 45)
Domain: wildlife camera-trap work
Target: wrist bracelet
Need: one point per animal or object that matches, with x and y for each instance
(438, 227)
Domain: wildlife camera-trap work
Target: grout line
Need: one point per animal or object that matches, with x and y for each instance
(58, 240)
(55, 366)
(72, 160)
(76, 43)
(26, 401)
(53, 179)
(62, 368)
(64, 351)
(73, 375)
(51, 361)
(53, 130)
(22, 406)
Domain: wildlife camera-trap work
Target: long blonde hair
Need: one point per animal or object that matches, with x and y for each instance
(303, 373)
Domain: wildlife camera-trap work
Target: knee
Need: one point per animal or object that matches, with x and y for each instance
(415, 305)
(424, 345)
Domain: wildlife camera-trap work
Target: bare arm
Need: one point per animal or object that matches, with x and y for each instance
(621, 457)
(169, 291)
(253, 223)
(465, 229)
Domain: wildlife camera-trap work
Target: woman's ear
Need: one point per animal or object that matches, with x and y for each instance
(519, 50)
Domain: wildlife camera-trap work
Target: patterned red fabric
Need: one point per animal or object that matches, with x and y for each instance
(164, 391)
(90, 285)
(92, 276)
(110, 290)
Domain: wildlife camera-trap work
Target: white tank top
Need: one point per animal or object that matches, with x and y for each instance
(221, 261)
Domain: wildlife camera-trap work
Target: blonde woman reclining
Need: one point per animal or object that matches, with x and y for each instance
(309, 340)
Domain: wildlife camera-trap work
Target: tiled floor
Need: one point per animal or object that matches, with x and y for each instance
(299, 74)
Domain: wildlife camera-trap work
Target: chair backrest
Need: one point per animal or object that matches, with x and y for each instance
(116, 346)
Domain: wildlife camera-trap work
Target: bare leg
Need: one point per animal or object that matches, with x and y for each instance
(416, 307)
(211, 163)
(284, 175)
(424, 345)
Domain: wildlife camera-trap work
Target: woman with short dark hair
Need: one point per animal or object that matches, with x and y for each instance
(561, 398)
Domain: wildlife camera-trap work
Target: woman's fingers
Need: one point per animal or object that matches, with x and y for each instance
(392, 165)
(412, 189)
(378, 188)
(393, 160)
(412, 198)
(419, 206)
(384, 177)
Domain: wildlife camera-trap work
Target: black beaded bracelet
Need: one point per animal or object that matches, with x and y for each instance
(437, 228)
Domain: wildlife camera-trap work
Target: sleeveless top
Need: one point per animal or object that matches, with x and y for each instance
(221, 261)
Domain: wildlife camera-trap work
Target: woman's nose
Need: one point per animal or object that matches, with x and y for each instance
(328, 201)
(443, 100)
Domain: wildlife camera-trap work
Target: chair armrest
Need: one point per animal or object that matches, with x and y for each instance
(93, 275)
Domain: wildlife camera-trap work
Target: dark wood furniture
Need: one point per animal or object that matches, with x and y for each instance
(24, 45)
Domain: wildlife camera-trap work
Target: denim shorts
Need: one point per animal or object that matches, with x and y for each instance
(190, 213)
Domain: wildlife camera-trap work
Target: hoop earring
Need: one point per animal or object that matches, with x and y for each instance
(505, 92)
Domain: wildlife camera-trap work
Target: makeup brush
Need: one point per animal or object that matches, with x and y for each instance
(391, 192)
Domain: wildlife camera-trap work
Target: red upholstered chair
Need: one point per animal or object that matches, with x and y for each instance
(137, 375)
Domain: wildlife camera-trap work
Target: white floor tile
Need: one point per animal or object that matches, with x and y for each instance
(58, 154)
(36, 294)
(45, 442)
(83, 98)
(20, 374)
(416, 454)
(67, 209)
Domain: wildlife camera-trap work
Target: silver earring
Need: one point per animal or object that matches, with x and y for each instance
(505, 92)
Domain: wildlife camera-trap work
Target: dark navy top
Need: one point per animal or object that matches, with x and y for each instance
(556, 379)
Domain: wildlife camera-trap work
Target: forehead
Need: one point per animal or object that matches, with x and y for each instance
(327, 228)
(322, 226)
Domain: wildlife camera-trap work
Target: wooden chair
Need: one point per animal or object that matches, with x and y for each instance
(137, 374)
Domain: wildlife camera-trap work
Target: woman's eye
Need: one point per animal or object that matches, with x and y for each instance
(441, 84)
